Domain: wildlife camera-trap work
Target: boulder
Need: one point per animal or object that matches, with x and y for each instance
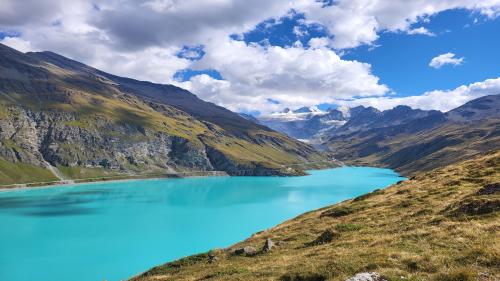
(366, 276)
(212, 258)
(247, 251)
(268, 245)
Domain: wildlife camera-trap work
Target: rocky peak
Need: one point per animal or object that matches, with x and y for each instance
(303, 110)
(480, 108)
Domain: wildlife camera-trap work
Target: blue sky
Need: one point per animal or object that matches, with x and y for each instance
(402, 60)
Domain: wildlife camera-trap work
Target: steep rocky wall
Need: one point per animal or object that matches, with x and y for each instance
(61, 139)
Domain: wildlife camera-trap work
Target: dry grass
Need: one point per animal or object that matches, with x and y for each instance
(434, 226)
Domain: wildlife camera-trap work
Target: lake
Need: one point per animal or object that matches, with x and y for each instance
(112, 231)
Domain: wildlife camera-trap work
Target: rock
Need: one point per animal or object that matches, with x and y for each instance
(212, 258)
(248, 251)
(326, 237)
(366, 276)
(268, 245)
(489, 189)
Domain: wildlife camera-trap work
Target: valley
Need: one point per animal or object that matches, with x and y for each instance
(65, 122)
(438, 225)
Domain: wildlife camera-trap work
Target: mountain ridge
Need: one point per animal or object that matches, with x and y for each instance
(56, 113)
(422, 142)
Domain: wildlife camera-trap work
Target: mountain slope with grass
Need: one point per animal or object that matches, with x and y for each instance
(61, 120)
(439, 225)
(421, 141)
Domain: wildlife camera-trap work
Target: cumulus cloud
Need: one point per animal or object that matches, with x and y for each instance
(293, 76)
(443, 100)
(18, 44)
(354, 23)
(444, 59)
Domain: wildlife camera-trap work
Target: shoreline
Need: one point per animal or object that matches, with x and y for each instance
(76, 182)
(123, 178)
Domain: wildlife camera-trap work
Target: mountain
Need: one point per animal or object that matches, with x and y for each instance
(250, 118)
(439, 225)
(306, 123)
(315, 126)
(61, 119)
(478, 109)
(411, 140)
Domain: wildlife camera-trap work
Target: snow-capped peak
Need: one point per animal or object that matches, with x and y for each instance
(346, 111)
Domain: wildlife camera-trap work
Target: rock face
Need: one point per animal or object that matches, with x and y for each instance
(366, 276)
(37, 137)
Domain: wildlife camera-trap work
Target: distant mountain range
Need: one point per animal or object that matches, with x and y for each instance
(312, 125)
(307, 124)
(401, 138)
(61, 119)
(411, 140)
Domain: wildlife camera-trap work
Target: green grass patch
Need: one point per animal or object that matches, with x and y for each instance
(14, 173)
(344, 227)
(78, 172)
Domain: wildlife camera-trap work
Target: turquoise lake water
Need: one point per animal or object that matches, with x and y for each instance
(112, 231)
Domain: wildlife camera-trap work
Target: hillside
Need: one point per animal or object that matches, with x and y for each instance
(411, 141)
(60, 120)
(440, 225)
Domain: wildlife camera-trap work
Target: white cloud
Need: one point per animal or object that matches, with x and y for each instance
(443, 100)
(294, 76)
(316, 43)
(17, 43)
(355, 23)
(444, 59)
(420, 31)
(300, 31)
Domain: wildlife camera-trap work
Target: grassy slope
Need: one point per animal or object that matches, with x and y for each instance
(14, 173)
(426, 228)
(409, 154)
